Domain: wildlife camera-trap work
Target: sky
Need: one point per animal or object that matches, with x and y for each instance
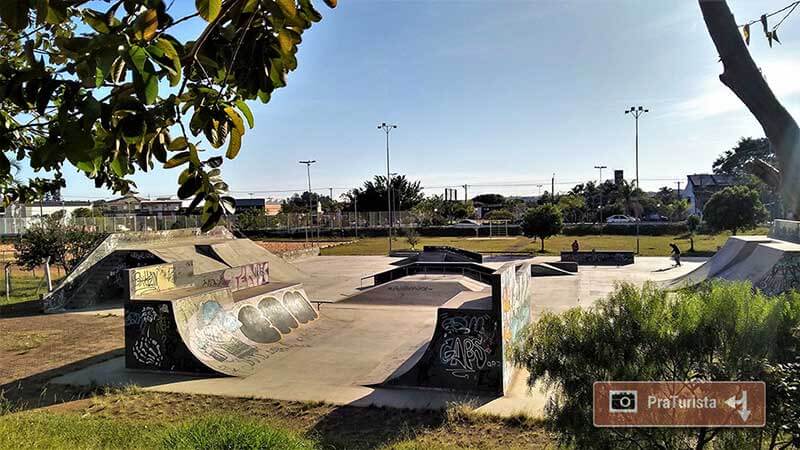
(499, 95)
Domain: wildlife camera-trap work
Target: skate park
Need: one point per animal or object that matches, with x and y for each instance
(212, 314)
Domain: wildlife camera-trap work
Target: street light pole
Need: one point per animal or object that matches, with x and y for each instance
(600, 168)
(637, 112)
(387, 127)
(308, 164)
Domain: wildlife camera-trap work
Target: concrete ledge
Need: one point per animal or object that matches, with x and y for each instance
(599, 258)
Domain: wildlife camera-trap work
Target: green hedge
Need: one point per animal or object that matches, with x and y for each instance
(649, 229)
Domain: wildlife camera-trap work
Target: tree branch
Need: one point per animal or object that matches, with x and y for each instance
(743, 78)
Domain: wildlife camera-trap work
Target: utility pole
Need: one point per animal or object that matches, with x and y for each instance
(331, 192)
(553, 189)
(679, 189)
(308, 164)
(387, 128)
(637, 112)
(465, 193)
(600, 168)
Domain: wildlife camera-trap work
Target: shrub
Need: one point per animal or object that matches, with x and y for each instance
(412, 237)
(66, 245)
(721, 331)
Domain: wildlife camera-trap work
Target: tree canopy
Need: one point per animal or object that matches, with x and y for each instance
(543, 221)
(111, 91)
(734, 208)
(372, 195)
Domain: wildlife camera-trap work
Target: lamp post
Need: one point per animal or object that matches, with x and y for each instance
(636, 112)
(600, 168)
(387, 128)
(308, 164)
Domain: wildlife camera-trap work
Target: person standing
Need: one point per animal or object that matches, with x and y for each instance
(676, 253)
(575, 246)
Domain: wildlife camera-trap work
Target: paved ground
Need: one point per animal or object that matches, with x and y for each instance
(353, 346)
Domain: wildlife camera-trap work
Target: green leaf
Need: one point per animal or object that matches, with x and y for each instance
(177, 160)
(120, 164)
(194, 157)
(146, 25)
(148, 83)
(138, 57)
(246, 111)
(208, 9)
(15, 13)
(189, 188)
(96, 20)
(234, 145)
(178, 144)
(288, 7)
(236, 119)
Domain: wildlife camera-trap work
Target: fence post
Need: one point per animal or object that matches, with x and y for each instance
(47, 274)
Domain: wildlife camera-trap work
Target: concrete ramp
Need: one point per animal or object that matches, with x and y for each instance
(421, 290)
(241, 252)
(546, 270)
(735, 250)
(202, 263)
(173, 324)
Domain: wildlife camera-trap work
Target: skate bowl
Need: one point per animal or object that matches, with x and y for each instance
(179, 321)
(771, 263)
(469, 348)
(97, 279)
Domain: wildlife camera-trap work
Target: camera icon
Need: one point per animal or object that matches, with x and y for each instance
(622, 401)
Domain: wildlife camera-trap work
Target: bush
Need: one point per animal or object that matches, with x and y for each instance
(721, 331)
(66, 245)
(412, 237)
(232, 432)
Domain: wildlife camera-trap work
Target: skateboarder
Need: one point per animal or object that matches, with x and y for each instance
(575, 246)
(676, 253)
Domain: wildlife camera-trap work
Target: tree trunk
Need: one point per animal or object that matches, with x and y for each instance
(542, 239)
(743, 78)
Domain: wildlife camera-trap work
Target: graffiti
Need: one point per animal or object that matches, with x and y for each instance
(463, 354)
(297, 304)
(147, 351)
(599, 258)
(238, 278)
(783, 277)
(468, 345)
(152, 279)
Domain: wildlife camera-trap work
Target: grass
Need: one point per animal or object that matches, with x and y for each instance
(25, 286)
(704, 244)
(45, 430)
(22, 342)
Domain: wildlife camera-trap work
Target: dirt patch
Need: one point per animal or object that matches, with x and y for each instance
(36, 344)
(335, 426)
(280, 247)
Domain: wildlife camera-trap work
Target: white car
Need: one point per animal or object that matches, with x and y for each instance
(620, 218)
(466, 223)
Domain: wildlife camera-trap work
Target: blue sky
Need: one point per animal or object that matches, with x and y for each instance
(498, 92)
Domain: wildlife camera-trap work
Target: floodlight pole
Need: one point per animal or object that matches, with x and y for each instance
(636, 112)
(308, 164)
(600, 168)
(387, 127)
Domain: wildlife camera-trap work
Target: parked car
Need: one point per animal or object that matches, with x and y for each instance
(466, 223)
(620, 218)
(656, 218)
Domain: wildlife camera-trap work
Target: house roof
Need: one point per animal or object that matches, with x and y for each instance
(711, 180)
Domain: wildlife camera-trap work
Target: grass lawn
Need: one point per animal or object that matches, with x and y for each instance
(704, 244)
(132, 418)
(25, 286)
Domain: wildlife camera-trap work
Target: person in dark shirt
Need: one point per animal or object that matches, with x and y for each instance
(575, 246)
(676, 253)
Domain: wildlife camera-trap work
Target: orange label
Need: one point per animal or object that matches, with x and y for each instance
(680, 404)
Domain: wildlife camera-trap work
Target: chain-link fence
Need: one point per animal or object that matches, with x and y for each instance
(14, 226)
